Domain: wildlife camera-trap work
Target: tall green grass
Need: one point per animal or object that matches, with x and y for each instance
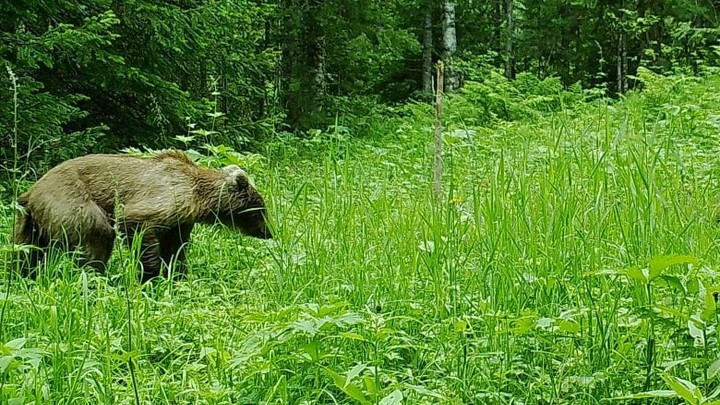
(543, 277)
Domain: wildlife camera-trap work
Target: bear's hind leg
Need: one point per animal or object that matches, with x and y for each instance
(27, 232)
(97, 246)
(89, 228)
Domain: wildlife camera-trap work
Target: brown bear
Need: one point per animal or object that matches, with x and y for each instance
(77, 204)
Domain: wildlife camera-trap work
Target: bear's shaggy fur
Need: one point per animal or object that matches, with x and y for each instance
(77, 204)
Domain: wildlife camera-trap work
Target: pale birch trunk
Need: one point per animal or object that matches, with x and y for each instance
(320, 67)
(452, 81)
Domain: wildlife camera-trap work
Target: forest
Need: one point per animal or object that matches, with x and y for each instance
(471, 202)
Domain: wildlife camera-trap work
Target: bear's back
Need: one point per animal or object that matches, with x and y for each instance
(157, 182)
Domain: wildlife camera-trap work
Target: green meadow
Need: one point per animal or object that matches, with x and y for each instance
(571, 259)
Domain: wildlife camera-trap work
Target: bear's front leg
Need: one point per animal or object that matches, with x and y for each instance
(150, 258)
(149, 248)
(173, 248)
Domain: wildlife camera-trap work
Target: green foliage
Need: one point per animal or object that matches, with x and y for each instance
(488, 98)
(580, 41)
(43, 113)
(573, 259)
(337, 53)
(219, 156)
(98, 76)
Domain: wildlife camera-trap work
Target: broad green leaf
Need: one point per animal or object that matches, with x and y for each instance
(350, 389)
(661, 263)
(393, 398)
(636, 273)
(606, 272)
(126, 356)
(713, 369)
(370, 384)
(460, 326)
(650, 394)
(708, 312)
(685, 389)
(309, 326)
(16, 343)
(674, 282)
(524, 324)
(203, 132)
(695, 331)
(353, 336)
(205, 351)
(424, 391)
(693, 285)
(15, 248)
(346, 319)
(670, 364)
(545, 322)
(184, 139)
(354, 372)
(328, 309)
(568, 326)
(5, 362)
(670, 311)
(312, 349)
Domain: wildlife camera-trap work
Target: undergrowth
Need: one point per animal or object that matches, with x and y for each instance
(573, 260)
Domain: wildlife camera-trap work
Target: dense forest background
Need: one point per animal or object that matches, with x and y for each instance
(99, 75)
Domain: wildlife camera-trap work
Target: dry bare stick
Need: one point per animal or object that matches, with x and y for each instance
(437, 183)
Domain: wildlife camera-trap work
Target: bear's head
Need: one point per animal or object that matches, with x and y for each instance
(243, 207)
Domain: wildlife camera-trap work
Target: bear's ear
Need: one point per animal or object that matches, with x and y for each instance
(237, 175)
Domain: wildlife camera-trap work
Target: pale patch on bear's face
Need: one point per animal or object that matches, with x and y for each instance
(234, 171)
(248, 213)
(238, 175)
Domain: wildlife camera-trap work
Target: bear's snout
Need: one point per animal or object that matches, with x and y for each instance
(256, 226)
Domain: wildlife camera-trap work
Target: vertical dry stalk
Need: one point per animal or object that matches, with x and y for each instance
(15, 191)
(437, 183)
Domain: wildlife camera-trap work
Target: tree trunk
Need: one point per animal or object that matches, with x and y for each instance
(622, 62)
(452, 81)
(619, 65)
(288, 42)
(509, 59)
(427, 52)
(624, 58)
(320, 67)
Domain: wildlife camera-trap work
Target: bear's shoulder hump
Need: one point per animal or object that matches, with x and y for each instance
(174, 154)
